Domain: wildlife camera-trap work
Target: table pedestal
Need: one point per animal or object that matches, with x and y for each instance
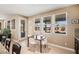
(28, 42)
(40, 46)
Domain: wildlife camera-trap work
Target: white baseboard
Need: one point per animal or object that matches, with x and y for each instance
(61, 47)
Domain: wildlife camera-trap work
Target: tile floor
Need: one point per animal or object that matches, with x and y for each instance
(3, 50)
(48, 50)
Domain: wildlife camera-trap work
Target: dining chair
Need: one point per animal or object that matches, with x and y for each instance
(33, 43)
(3, 40)
(44, 43)
(16, 48)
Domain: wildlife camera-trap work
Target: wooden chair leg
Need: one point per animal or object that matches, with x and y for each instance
(45, 46)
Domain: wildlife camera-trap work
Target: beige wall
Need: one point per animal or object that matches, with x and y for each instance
(2, 24)
(62, 40)
(16, 32)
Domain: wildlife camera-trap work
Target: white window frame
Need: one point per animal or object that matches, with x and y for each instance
(54, 22)
(51, 23)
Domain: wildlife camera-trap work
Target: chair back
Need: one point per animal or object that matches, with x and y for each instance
(16, 48)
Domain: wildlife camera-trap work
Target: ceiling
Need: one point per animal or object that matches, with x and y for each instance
(28, 9)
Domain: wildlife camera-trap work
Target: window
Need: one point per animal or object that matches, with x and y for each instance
(13, 24)
(47, 24)
(37, 24)
(22, 28)
(60, 23)
(8, 24)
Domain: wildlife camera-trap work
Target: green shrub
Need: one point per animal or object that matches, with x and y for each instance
(6, 32)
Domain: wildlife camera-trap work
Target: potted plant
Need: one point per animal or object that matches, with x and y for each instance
(7, 32)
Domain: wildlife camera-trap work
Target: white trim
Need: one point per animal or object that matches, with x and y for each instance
(61, 47)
